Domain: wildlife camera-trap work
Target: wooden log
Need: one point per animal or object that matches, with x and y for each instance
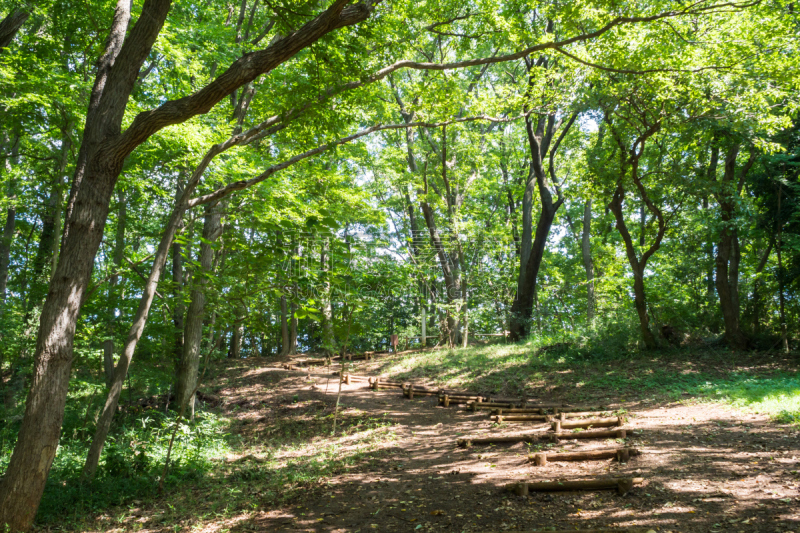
(380, 383)
(620, 433)
(522, 418)
(579, 408)
(348, 378)
(582, 414)
(601, 530)
(464, 396)
(621, 454)
(532, 404)
(541, 411)
(314, 362)
(517, 410)
(447, 397)
(383, 385)
(466, 442)
(587, 423)
(477, 406)
(621, 484)
(410, 391)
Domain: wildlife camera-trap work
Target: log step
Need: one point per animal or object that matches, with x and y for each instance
(350, 378)
(381, 383)
(541, 411)
(517, 411)
(620, 433)
(558, 425)
(409, 391)
(621, 484)
(522, 418)
(621, 454)
(601, 530)
(466, 442)
(445, 399)
(481, 405)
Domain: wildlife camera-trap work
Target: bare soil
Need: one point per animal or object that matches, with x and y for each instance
(707, 467)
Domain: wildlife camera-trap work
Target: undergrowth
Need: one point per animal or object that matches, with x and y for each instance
(577, 369)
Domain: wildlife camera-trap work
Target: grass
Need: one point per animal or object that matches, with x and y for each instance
(756, 382)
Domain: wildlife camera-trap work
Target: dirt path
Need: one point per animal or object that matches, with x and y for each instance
(706, 468)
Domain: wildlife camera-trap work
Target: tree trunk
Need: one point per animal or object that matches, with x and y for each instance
(728, 252)
(10, 226)
(189, 364)
(134, 334)
(235, 350)
(5, 251)
(328, 337)
(119, 252)
(709, 259)
(640, 302)
(588, 262)
(178, 277)
(10, 25)
(285, 342)
(757, 301)
(293, 329)
(781, 277)
(66, 148)
(637, 266)
(629, 158)
(532, 248)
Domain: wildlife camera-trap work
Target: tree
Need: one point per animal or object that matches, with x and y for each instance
(100, 161)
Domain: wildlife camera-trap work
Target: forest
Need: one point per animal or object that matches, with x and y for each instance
(508, 197)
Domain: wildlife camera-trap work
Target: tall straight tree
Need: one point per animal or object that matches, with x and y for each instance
(189, 363)
(729, 255)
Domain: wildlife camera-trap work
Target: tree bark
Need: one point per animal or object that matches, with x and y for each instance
(189, 363)
(781, 277)
(66, 148)
(588, 262)
(757, 300)
(235, 350)
(728, 252)
(10, 25)
(293, 329)
(10, 226)
(285, 343)
(178, 309)
(328, 337)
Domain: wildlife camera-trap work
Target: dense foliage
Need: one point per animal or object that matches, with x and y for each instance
(616, 176)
